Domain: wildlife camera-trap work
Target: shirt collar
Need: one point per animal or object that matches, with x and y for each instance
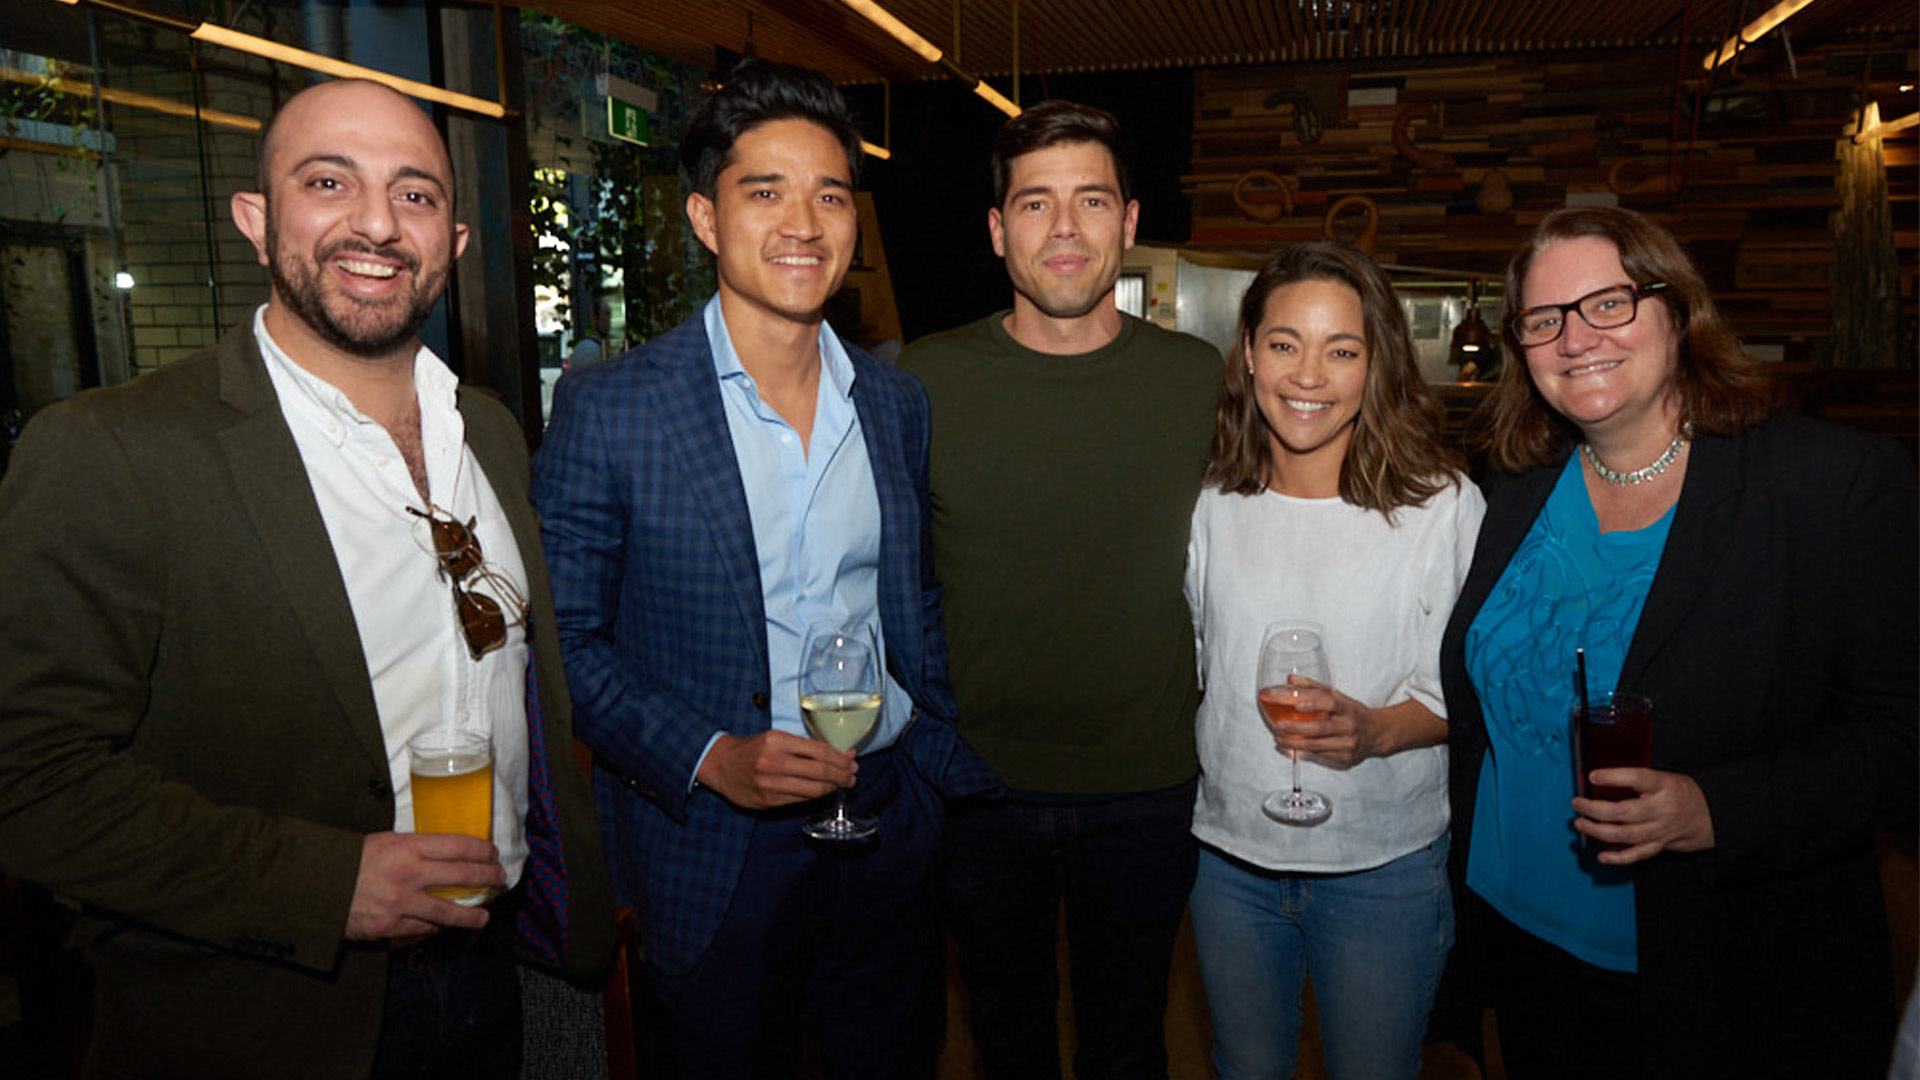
(433, 381)
(834, 361)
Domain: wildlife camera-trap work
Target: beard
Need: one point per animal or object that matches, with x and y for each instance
(367, 329)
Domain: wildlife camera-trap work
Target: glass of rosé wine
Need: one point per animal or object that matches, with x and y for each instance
(1290, 649)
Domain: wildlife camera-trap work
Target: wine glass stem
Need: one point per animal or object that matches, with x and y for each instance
(840, 804)
(1294, 755)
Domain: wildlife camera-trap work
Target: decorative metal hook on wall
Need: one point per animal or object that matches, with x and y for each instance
(1430, 160)
(1369, 231)
(1258, 202)
(1659, 183)
(1306, 116)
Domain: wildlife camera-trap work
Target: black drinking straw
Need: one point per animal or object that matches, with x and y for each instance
(1580, 659)
(1586, 713)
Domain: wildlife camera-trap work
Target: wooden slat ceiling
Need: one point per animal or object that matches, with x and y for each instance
(1119, 35)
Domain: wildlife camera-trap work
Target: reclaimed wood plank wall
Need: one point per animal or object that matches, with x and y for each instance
(1430, 143)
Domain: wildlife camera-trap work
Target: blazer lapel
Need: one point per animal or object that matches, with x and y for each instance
(689, 409)
(502, 468)
(273, 485)
(1700, 534)
(899, 531)
(1512, 506)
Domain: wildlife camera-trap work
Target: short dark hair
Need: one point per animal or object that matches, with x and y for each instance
(1051, 123)
(756, 92)
(1721, 389)
(1397, 456)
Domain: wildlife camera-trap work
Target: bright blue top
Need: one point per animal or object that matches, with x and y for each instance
(1568, 586)
(816, 521)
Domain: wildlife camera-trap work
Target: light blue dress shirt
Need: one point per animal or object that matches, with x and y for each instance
(816, 521)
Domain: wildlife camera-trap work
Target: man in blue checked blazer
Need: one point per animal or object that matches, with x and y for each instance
(705, 498)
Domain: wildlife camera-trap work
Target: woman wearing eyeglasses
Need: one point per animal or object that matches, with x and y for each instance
(1754, 576)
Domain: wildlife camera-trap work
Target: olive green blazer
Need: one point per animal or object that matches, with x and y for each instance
(188, 741)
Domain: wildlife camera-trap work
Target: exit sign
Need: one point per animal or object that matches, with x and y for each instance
(627, 108)
(628, 121)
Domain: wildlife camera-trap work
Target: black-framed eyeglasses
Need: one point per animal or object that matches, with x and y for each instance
(458, 551)
(1603, 309)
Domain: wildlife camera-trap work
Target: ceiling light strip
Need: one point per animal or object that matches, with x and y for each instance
(327, 65)
(996, 99)
(900, 31)
(287, 54)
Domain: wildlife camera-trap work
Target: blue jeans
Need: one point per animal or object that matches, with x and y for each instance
(1374, 942)
(1122, 867)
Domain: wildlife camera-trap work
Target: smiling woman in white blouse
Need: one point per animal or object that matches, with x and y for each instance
(1330, 499)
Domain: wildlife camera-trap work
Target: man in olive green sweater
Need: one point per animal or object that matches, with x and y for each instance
(1068, 445)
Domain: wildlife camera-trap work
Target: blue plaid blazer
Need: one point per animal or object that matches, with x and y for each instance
(657, 593)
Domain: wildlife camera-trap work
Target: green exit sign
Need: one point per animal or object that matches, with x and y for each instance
(628, 121)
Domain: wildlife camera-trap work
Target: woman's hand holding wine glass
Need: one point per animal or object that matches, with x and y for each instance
(1290, 656)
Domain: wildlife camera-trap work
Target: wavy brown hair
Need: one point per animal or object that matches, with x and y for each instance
(1396, 457)
(1721, 389)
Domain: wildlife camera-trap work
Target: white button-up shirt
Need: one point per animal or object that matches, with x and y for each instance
(416, 653)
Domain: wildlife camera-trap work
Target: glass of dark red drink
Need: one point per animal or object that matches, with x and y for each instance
(1614, 731)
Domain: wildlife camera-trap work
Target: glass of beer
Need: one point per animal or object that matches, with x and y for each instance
(452, 780)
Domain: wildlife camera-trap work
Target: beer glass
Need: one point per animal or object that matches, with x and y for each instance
(452, 782)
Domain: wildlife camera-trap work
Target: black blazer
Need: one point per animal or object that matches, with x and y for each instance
(1779, 646)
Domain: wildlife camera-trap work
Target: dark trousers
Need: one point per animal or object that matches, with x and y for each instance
(453, 1006)
(1559, 1017)
(1123, 867)
(840, 939)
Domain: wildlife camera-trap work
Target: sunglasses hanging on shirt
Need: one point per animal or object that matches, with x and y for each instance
(457, 550)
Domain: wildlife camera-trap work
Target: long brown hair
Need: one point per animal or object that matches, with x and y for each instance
(1396, 457)
(1721, 389)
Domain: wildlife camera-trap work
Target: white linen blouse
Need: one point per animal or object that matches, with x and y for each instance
(1382, 592)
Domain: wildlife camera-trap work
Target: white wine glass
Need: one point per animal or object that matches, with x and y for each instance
(840, 700)
(1288, 649)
